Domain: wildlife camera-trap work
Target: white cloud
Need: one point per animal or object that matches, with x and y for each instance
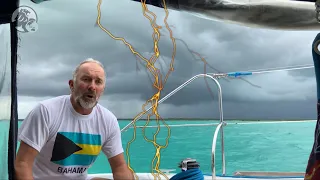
(26, 104)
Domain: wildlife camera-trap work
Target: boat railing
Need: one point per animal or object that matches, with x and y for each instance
(218, 128)
(213, 155)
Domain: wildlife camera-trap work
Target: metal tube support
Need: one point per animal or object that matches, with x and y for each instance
(223, 123)
(213, 151)
(166, 97)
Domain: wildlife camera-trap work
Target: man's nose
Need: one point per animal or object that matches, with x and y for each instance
(92, 86)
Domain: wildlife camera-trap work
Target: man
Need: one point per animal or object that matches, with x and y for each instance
(313, 166)
(61, 137)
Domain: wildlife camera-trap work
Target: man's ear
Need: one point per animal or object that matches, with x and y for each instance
(71, 85)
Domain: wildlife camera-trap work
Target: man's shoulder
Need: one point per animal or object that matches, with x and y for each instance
(58, 100)
(109, 116)
(53, 104)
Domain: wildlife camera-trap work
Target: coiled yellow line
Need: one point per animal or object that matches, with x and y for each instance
(158, 83)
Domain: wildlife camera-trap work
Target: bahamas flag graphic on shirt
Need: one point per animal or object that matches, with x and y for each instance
(75, 149)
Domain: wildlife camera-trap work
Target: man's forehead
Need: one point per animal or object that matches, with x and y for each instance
(90, 69)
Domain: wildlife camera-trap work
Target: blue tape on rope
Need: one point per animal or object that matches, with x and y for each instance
(236, 74)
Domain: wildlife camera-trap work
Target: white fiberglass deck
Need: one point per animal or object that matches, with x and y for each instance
(264, 176)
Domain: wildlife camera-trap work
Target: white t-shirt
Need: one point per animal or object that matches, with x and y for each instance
(68, 142)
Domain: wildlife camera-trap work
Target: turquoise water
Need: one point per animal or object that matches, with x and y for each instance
(250, 147)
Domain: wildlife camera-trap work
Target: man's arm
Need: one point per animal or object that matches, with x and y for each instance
(113, 149)
(24, 162)
(120, 168)
(33, 134)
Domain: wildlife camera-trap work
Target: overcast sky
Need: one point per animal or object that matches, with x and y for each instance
(67, 35)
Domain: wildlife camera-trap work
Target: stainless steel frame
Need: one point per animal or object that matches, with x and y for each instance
(213, 77)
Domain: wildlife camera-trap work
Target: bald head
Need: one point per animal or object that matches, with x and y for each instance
(89, 65)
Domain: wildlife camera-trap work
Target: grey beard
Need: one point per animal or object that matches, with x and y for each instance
(85, 104)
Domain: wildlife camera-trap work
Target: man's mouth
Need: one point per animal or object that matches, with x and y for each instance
(90, 96)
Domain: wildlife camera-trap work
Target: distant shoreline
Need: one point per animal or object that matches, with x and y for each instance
(205, 119)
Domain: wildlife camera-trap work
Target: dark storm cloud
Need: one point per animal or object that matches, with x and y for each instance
(67, 35)
(304, 73)
(244, 110)
(242, 47)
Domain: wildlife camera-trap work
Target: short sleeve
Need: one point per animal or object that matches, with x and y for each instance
(34, 129)
(113, 143)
